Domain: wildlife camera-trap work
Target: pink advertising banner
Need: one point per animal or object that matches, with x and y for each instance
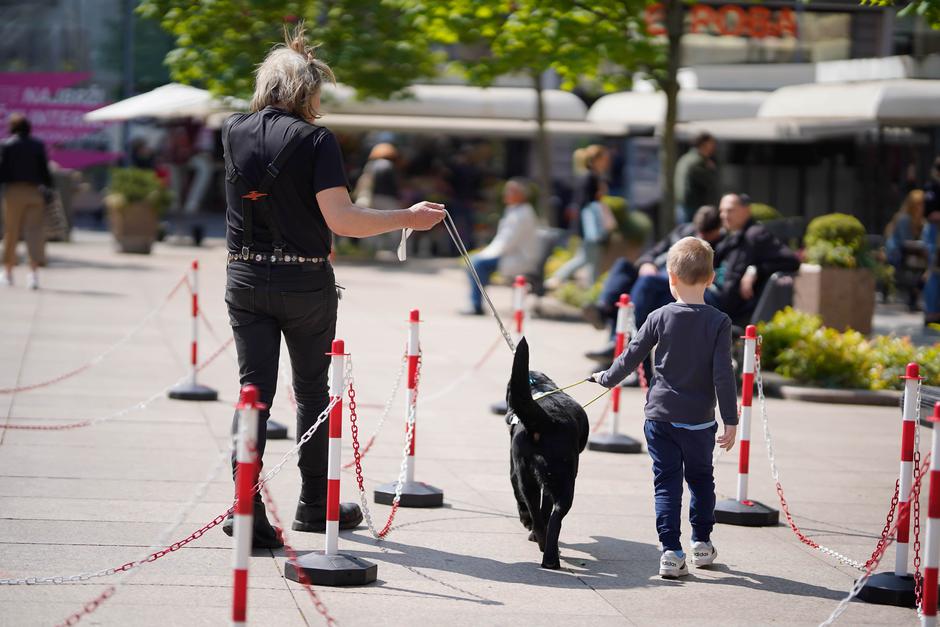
(55, 104)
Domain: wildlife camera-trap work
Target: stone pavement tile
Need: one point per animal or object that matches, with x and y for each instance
(118, 433)
(171, 493)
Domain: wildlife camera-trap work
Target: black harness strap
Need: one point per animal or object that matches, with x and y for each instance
(272, 171)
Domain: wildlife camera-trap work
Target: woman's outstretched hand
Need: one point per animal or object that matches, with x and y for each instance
(425, 215)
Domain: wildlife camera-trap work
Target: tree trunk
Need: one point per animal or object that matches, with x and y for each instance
(670, 85)
(543, 154)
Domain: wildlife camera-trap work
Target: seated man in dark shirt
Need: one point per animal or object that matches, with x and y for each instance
(745, 259)
(649, 272)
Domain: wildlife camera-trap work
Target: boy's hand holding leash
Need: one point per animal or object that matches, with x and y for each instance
(726, 439)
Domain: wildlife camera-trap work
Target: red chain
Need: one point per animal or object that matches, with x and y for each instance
(883, 541)
(89, 607)
(793, 526)
(292, 556)
(93, 605)
(872, 564)
(354, 430)
(600, 422)
(915, 502)
(86, 423)
(82, 368)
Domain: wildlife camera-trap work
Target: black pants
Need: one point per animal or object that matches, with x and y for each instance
(300, 302)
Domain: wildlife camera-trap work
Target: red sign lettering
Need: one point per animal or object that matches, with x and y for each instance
(730, 20)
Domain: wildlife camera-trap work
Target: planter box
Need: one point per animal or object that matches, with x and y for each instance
(842, 297)
(134, 227)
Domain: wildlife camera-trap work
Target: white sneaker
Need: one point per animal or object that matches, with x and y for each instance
(703, 554)
(671, 566)
(6, 279)
(32, 280)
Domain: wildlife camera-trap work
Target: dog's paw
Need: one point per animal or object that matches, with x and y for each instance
(532, 537)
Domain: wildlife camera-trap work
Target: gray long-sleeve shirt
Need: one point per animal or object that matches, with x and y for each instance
(693, 364)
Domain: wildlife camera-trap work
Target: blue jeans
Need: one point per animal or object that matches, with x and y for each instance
(620, 280)
(485, 268)
(679, 452)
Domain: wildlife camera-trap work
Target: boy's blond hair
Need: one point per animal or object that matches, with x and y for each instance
(692, 260)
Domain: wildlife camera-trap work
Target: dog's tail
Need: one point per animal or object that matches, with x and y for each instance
(530, 414)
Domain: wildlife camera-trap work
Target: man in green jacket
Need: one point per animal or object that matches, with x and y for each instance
(696, 181)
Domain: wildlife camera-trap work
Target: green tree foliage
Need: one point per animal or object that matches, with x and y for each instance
(374, 46)
(929, 10)
(593, 40)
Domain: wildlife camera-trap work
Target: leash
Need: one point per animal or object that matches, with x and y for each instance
(567, 387)
(458, 242)
(598, 397)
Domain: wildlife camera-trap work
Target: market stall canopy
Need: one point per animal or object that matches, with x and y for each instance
(169, 101)
(636, 111)
(783, 130)
(909, 102)
(457, 110)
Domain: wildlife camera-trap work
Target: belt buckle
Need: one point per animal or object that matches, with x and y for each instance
(278, 254)
(245, 253)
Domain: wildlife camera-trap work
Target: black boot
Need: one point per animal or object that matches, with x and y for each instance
(313, 517)
(263, 536)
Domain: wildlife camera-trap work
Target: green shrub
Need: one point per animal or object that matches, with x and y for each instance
(573, 294)
(828, 358)
(132, 185)
(929, 359)
(785, 329)
(888, 357)
(561, 255)
(831, 255)
(763, 212)
(836, 228)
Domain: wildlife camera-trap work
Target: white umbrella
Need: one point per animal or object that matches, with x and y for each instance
(169, 101)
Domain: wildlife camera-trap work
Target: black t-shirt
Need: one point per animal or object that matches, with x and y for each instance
(316, 165)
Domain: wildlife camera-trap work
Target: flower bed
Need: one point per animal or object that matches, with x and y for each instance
(797, 346)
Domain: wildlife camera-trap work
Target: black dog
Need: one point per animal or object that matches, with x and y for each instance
(547, 435)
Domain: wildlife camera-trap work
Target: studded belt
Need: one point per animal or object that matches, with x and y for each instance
(275, 257)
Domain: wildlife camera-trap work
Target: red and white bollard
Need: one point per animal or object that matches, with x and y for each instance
(191, 390)
(615, 442)
(330, 567)
(246, 475)
(932, 556)
(897, 587)
(413, 493)
(742, 510)
(519, 289)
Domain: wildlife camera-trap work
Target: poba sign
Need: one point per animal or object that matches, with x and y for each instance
(728, 20)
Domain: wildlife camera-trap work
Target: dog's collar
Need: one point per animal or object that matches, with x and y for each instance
(514, 421)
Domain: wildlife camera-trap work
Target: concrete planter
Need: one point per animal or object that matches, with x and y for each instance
(842, 297)
(134, 226)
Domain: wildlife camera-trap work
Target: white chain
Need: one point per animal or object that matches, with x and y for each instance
(403, 469)
(296, 448)
(197, 497)
(771, 456)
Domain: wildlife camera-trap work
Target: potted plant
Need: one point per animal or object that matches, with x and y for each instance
(135, 200)
(837, 280)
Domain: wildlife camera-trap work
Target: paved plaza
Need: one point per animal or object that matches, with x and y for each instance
(96, 497)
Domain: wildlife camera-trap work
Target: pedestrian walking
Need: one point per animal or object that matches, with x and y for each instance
(24, 171)
(932, 240)
(696, 180)
(594, 217)
(287, 195)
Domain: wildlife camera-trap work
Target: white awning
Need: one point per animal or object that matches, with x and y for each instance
(631, 111)
(890, 102)
(169, 101)
(784, 130)
(461, 101)
(458, 126)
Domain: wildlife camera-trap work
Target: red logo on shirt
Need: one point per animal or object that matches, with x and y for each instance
(254, 195)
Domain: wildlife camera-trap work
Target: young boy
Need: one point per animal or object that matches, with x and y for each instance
(692, 364)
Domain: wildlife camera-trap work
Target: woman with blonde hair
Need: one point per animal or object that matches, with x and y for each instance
(287, 195)
(593, 218)
(905, 228)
